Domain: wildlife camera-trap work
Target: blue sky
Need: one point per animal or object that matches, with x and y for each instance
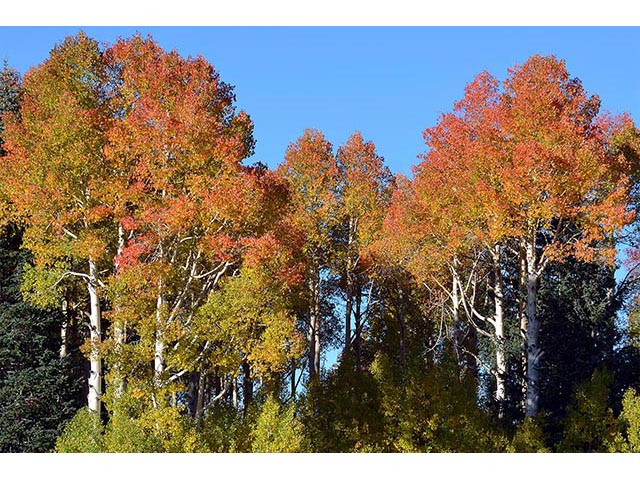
(389, 83)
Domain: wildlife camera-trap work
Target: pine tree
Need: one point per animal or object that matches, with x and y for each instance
(37, 393)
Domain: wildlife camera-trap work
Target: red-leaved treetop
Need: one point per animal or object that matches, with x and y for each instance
(526, 168)
(366, 185)
(311, 170)
(179, 143)
(566, 187)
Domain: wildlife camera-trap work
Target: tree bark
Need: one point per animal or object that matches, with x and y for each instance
(64, 330)
(202, 380)
(348, 309)
(293, 379)
(234, 393)
(456, 301)
(247, 386)
(119, 327)
(348, 292)
(314, 325)
(95, 376)
(358, 332)
(159, 361)
(524, 324)
(192, 393)
(403, 331)
(498, 323)
(533, 349)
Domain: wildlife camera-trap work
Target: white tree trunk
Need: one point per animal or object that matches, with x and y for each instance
(159, 347)
(119, 327)
(200, 400)
(348, 290)
(316, 353)
(234, 393)
(498, 323)
(524, 324)
(292, 379)
(312, 342)
(64, 330)
(95, 377)
(314, 325)
(533, 349)
(456, 301)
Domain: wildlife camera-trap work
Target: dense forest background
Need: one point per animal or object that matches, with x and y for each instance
(159, 294)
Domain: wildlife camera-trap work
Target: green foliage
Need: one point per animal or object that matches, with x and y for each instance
(41, 286)
(124, 433)
(431, 410)
(175, 432)
(82, 434)
(628, 436)
(277, 430)
(37, 391)
(578, 313)
(226, 430)
(589, 425)
(125, 166)
(438, 412)
(133, 427)
(136, 425)
(251, 318)
(342, 413)
(529, 438)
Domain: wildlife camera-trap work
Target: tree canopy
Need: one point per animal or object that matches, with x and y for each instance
(161, 293)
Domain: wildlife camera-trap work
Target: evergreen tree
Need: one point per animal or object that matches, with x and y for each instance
(9, 95)
(37, 394)
(578, 311)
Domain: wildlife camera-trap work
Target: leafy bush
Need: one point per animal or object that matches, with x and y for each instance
(82, 434)
(277, 430)
(628, 437)
(589, 425)
(224, 429)
(529, 438)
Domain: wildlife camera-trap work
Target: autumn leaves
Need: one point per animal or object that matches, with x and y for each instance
(525, 170)
(125, 168)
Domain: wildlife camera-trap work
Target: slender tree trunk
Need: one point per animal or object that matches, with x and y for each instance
(202, 380)
(316, 354)
(192, 393)
(348, 309)
(533, 349)
(498, 324)
(64, 330)
(247, 386)
(95, 318)
(358, 326)
(316, 328)
(234, 393)
(216, 387)
(524, 324)
(119, 327)
(314, 324)
(159, 347)
(349, 292)
(293, 379)
(403, 331)
(455, 311)
(455, 301)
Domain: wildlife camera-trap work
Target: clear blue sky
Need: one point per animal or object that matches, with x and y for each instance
(389, 83)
